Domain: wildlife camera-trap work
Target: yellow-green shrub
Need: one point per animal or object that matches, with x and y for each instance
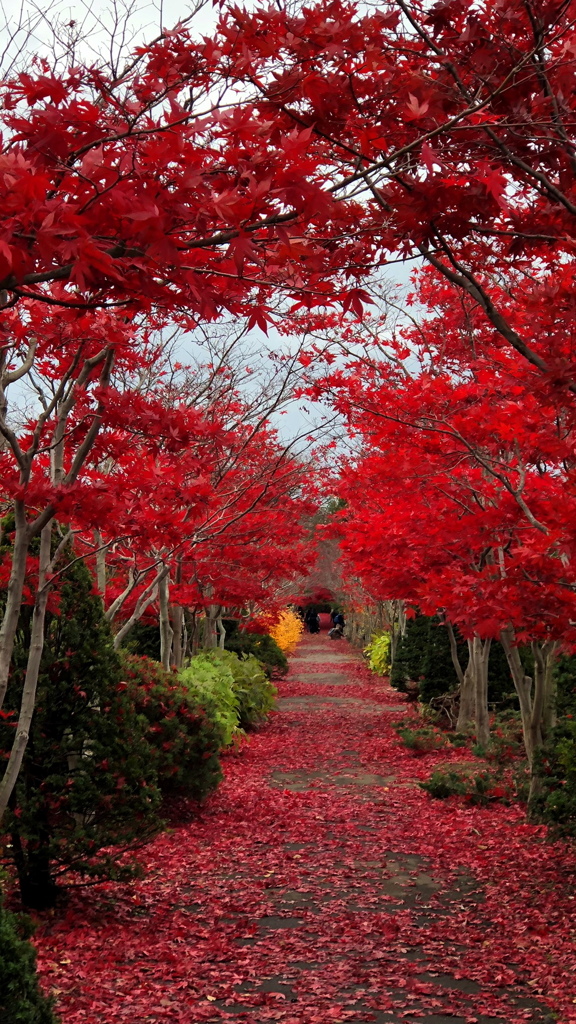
(378, 654)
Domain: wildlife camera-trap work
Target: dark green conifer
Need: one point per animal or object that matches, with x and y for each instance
(87, 781)
(21, 1000)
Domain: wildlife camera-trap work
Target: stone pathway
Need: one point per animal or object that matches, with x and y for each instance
(375, 887)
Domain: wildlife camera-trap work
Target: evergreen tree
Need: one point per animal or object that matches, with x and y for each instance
(261, 645)
(424, 656)
(21, 1001)
(87, 781)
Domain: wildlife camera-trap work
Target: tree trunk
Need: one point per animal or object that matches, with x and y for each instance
(192, 638)
(166, 631)
(543, 704)
(454, 652)
(100, 565)
(481, 655)
(178, 645)
(549, 713)
(221, 632)
(473, 711)
(537, 697)
(32, 672)
(14, 593)
(523, 687)
(146, 598)
(38, 890)
(397, 623)
(210, 634)
(467, 707)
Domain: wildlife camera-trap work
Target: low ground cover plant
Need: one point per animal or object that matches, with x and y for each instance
(421, 737)
(479, 782)
(475, 784)
(506, 744)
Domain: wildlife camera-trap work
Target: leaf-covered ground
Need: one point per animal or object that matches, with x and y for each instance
(321, 885)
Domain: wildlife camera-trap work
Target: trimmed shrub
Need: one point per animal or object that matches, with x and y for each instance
(262, 646)
(87, 781)
(183, 740)
(565, 675)
(423, 656)
(555, 767)
(378, 654)
(256, 694)
(210, 685)
(144, 640)
(21, 999)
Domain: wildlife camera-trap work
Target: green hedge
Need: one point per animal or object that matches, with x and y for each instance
(21, 1000)
(256, 694)
(555, 802)
(234, 690)
(261, 645)
(211, 687)
(183, 740)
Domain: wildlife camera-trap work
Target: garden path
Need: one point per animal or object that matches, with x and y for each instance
(321, 885)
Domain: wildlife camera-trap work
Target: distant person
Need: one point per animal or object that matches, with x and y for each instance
(309, 619)
(312, 621)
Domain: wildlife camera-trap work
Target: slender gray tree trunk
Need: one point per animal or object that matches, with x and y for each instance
(210, 632)
(100, 565)
(482, 718)
(466, 711)
(192, 638)
(14, 593)
(221, 632)
(523, 686)
(454, 653)
(473, 711)
(543, 704)
(537, 696)
(166, 631)
(178, 643)
(32, 671)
